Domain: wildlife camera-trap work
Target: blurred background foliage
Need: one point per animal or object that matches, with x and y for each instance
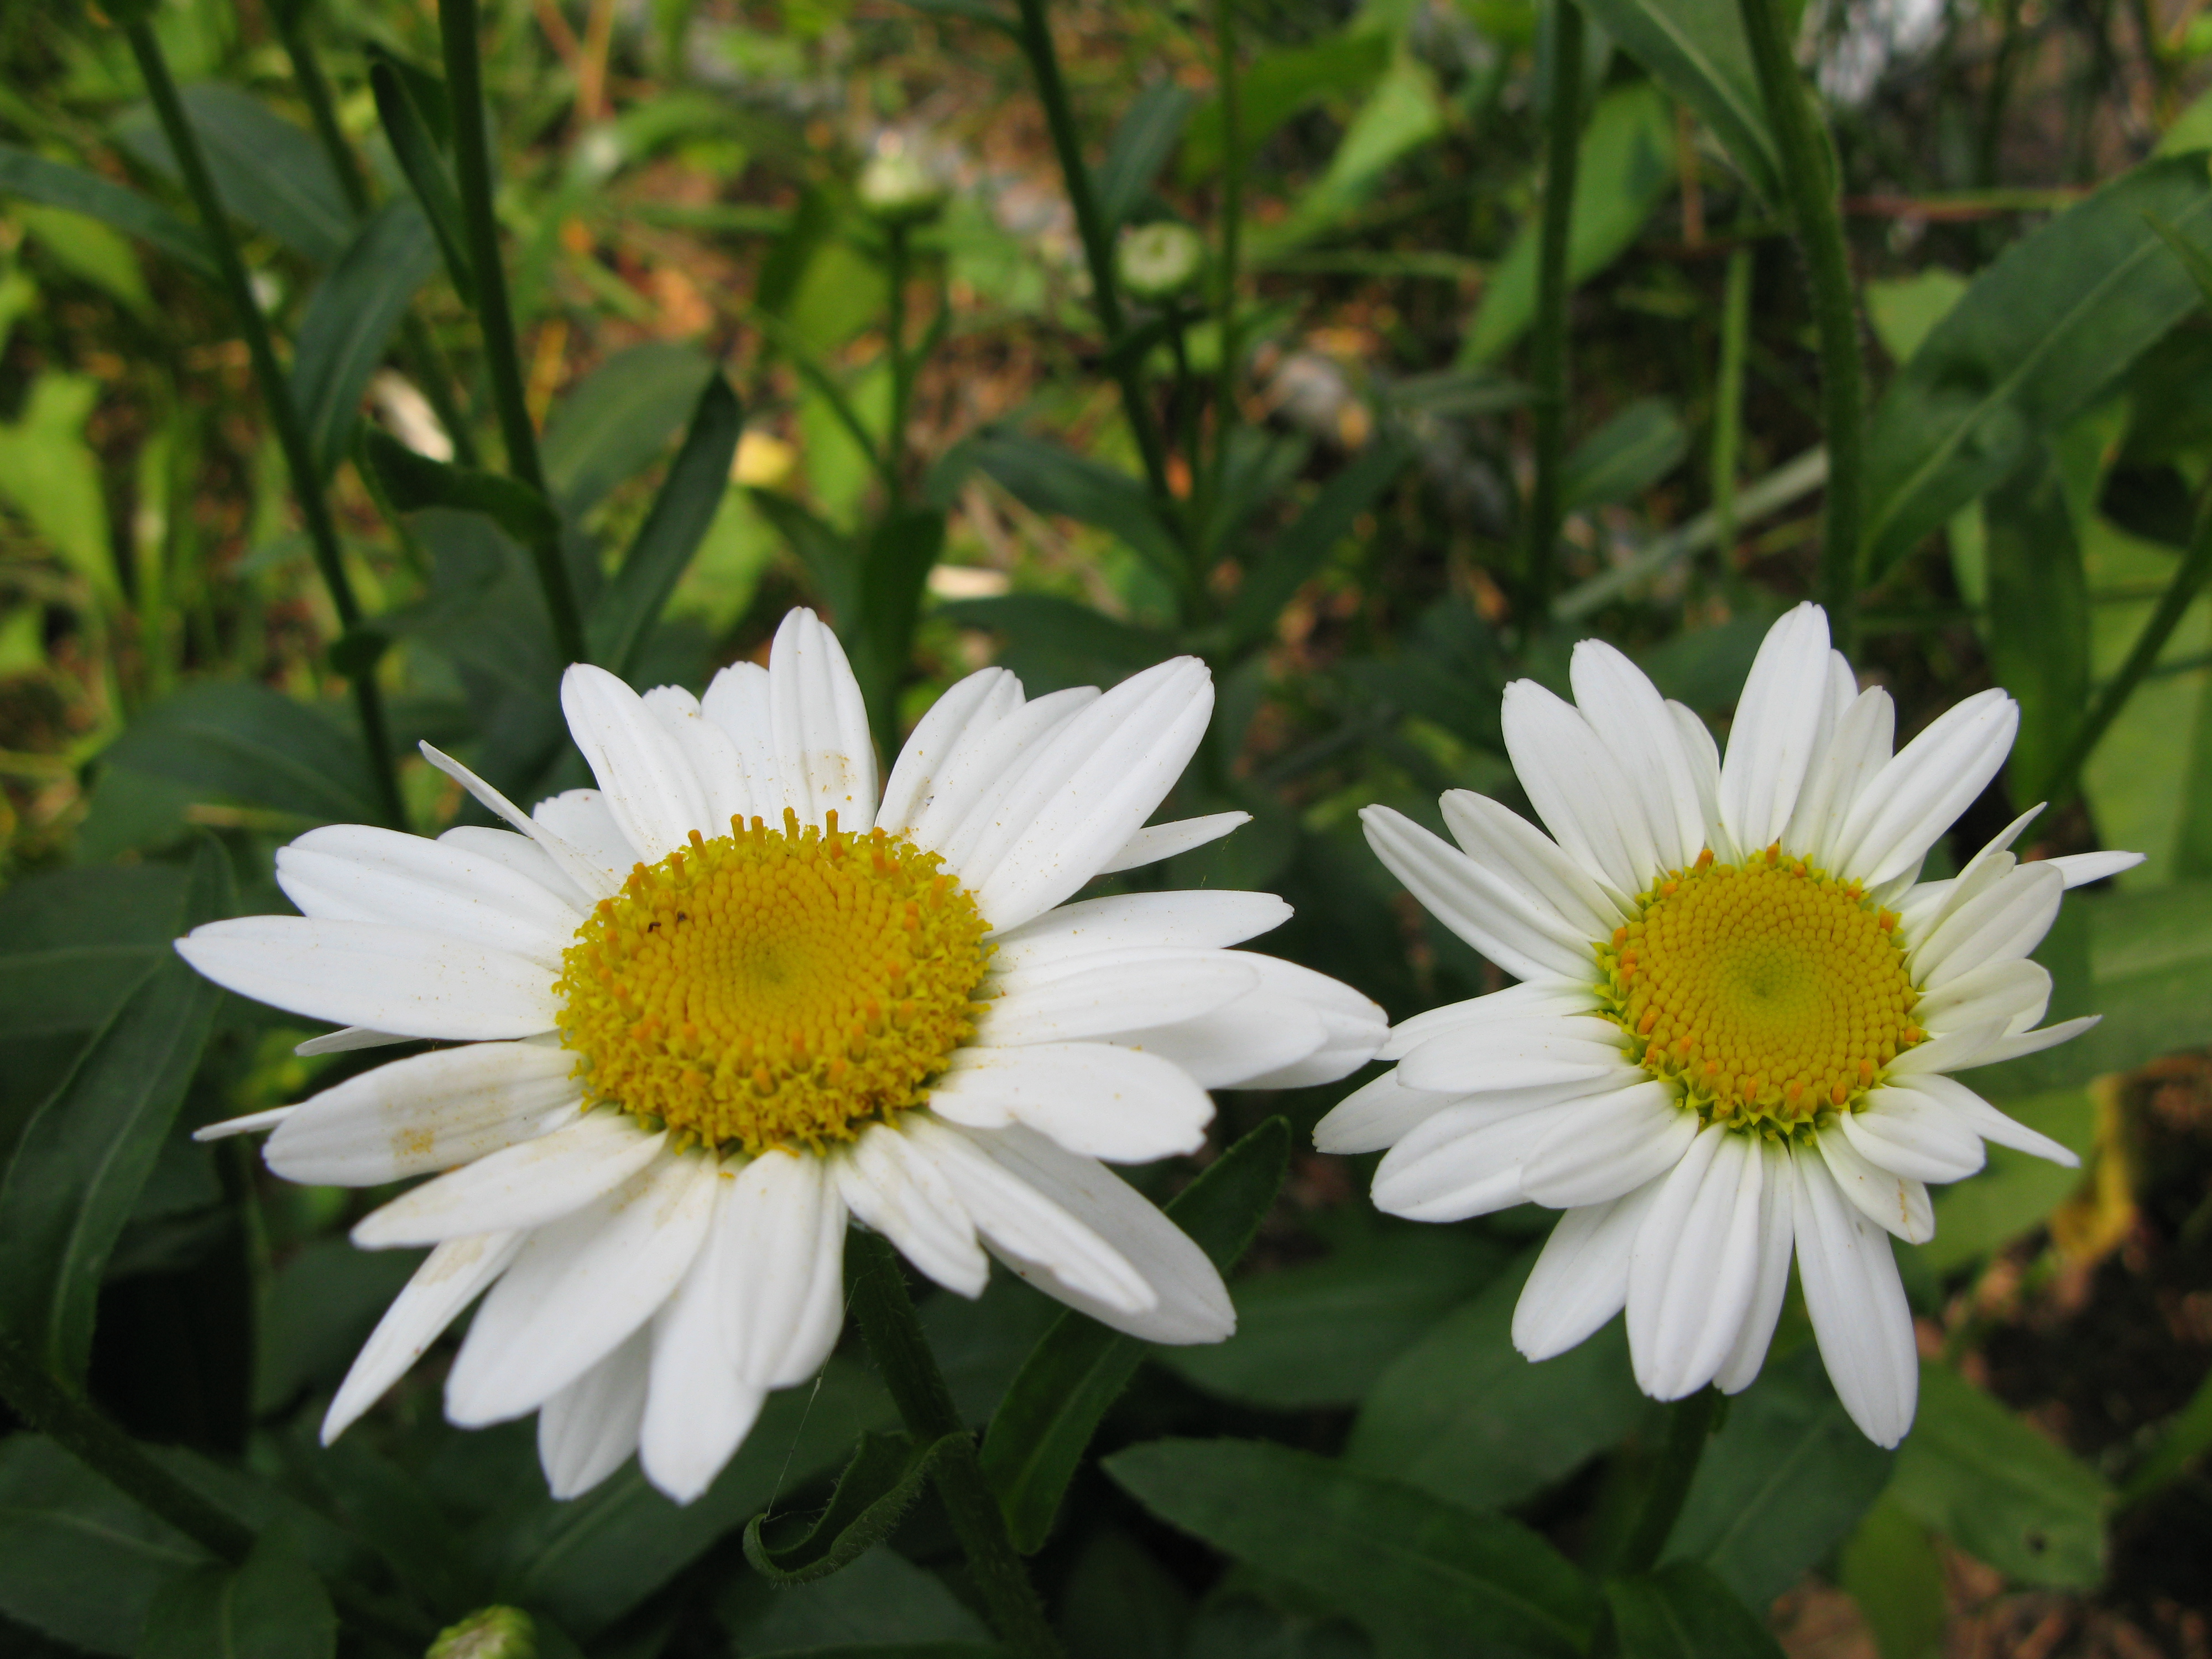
(753, 361)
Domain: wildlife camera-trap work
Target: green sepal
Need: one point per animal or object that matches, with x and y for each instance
(872, 1496)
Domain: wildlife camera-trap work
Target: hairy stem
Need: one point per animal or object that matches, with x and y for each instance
(1689, 1425)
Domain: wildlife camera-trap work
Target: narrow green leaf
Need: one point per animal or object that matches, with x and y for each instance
(697, 479)
(2038, 632)
(2038, 338)
(1683, 1611)
(88, 1151)
(243, 741)
(272, 1607)
(78, 1560)
(351, 321)
(1142, 143)
(74, 942)
(1276, 85)
(1696, 49)
(872, 1497)
(895, 565)
(1080, 1367)
(269, 172)
(2193, 257)
(831, 562)
(1627, 456)
(56, 184)
(408, 130)
(1889, 1566)
(2184, 1440)
(1049, 479)
(414, 481)
(618, 419)
(1053, 643)
(1296, 556)
(1391, 1556)
(1997, 1489)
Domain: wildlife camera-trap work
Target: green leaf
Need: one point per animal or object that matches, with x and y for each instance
(1625, 166)
(1299, 554)
(1399, 1560)
(1460, 1414)
(414, 481)
(407, 128)
(872, 1496)
(1080, 1367)
(1276, 86)
(2014, 1191)
(831, 562)
(1625, 456)
(268, 172)
(2038, 631)
(85, 247)
(386, 1508)
(1142, 145)
(1121, 1602)
(895, 565)
(320, 1307)
(78, 1560)
(56, 184)
(1890, 1568)
(1405, 112)
(1696, 49)
(88, 1151)
(1785, 1480)
(74, 942)
(619, 418)
(272, 1607)
(882, 1604)
(1054, 643)
(2038, 338)
(1683, 1611)
(487, 612)
(2193, 258)
(242, 741)
(1997, 1489)
(351, 321)
(51, 476)
(1322, 1334)
(1049, 479)
(697, 481)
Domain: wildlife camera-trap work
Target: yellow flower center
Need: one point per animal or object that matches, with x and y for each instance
(1767, 992)
(773, 986)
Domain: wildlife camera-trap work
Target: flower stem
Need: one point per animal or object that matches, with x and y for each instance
(895, 1336)
(457, 26)
(1547, 353)
(1689, 1424)
(276, 397)
(897, 262)
(1232, 212)
(1808, 179)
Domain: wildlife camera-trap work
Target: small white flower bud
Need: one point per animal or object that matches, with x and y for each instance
(896, 189)
(488, 1633)
(1159, 260)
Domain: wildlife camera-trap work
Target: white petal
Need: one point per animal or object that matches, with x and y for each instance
(427, 1112)
(1704, 758)
(779, 1244)
(1464, 1161)
(521, 1186)
(1253, 1036)
(981, 701)
(1377, 1115)
(1530, 1054)
(985, 762)
(588, 1430)
(1539, 999)
(2034, 1042)
(1606, 1148)
(712, 758)
(2014, 992)
(1912, 801)
(736, 703)
(1777, 1237)
(1778, 724)
(347, 1039)
(359, 973)
(252, 1123)
(1119, 994)
(1911, 1133)
(1924, 909)
(1507, 922)
(2081, 868)
(1581, 1278)
(1095, 783)
(589, 876)
(578, 1289)
(696, 1412)
(1193, 1305)
(519, 854)
(1026, 1229)
(1093, 1098)
(1577, 788)
(2004, 923)
(1353, 1027)
(820, 725)
(644, 776)
(1950, 1051)
(1695, 1264)
(1501, 840)
(1129, 920)
(1990, 1124)
(893, 1187)
(1857, 1306)
(1858, 749)
(1628, 714)
(581, 820)
(1894, 1202)
(1164, 841)
(451, 1277)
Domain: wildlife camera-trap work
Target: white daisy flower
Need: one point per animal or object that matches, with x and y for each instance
(731, 998)
(1738, 1008)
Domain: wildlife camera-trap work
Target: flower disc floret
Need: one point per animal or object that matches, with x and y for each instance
(1768, 992)
(773, 986)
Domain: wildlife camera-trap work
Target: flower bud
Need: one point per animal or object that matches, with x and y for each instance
(896, 189)
(488, 1633)
(1159, 260)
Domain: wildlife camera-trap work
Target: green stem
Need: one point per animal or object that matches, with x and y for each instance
(902, 368)
(1727, 398)
(895, 1337)
(2188, 580)
(1808, 178)
(1547, 354)
(1689, 1425)
(457, 26)
(277, 398)
(1225, 284)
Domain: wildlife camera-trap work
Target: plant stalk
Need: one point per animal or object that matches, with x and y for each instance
(276, 397)
(1224, 283)
(1547, 354)
(1689, 1425)
(1809, 181)
(901, 366)
(887, 1319)
(1728, 396)
(457, 27)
